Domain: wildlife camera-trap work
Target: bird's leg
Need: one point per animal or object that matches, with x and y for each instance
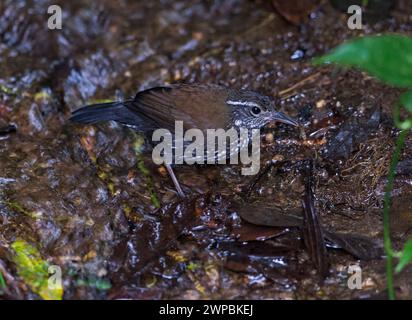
(175, 182)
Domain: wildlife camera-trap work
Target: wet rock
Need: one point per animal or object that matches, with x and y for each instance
(76, 191)
(152, 236)
(295, 11)
(250, 232)
(359, 246)
(259, 214)
(354, 131)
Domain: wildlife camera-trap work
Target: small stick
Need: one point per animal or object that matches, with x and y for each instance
(312, 229)
(175, 182)
(299, 84)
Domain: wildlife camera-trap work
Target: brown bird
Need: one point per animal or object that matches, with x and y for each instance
(198, 106)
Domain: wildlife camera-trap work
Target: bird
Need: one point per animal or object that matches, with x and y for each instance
(199, 106)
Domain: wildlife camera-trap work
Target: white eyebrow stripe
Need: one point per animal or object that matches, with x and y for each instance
(243, 103)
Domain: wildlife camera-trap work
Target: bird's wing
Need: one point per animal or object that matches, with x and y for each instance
(198, 106)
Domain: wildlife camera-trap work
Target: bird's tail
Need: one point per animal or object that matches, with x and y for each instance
(116, 111)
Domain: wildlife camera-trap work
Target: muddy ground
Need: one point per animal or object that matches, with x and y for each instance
(89, 199)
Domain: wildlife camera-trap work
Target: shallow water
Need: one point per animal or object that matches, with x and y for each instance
(86, 200)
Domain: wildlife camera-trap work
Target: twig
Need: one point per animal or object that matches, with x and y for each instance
(302, 82)
(312, 230)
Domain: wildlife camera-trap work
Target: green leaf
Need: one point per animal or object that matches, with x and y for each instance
(34, 270)
(387, 57)
(2, 283)
(100, 284)
(405, 256)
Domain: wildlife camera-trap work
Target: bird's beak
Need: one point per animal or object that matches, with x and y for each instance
(281, 117)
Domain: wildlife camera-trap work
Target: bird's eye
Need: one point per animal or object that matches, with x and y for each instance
(256, 111)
